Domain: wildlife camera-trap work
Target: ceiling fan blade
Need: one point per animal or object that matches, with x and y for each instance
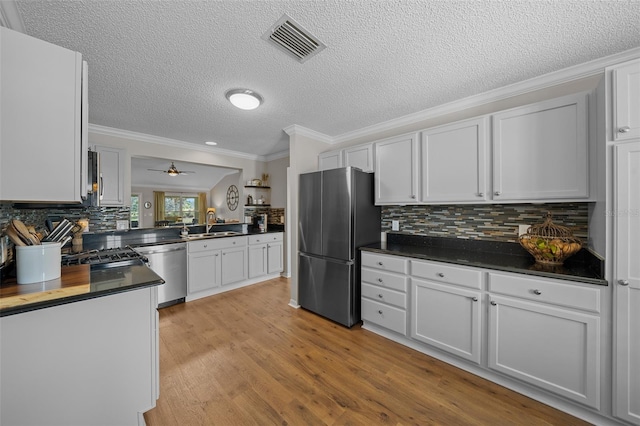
(156, 170)
(185, 172)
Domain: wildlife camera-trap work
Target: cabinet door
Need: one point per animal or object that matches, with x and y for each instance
(555, 349)
(274, 256)
(203, 272)
(447, 317)
(396, 177)
(627, 282)
(257, 260)
(330, 160)
(111, 176)
(360, 156)
(40, 112)
(234, 265)
(540, 151)
(626, 102)
(453, 162)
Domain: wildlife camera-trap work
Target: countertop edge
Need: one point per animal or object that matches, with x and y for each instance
(564, 277)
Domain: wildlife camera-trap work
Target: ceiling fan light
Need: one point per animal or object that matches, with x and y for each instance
(244, 98)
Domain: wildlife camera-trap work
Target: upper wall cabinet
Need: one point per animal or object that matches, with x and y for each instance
(111, 175)
(396, 171)
(360, 156)
(453, 162)
(41, 120)
(540, 151)
(330, 160)
(626, 101)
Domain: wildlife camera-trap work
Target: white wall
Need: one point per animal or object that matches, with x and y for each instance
(277, 171)
(218, 198)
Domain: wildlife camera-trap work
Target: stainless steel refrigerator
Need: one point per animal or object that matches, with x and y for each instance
(336, 216)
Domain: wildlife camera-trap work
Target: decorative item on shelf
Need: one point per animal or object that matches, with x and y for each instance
(261, 200)
(249, 200)
(256, 182)
(550, 244)
(265, 179)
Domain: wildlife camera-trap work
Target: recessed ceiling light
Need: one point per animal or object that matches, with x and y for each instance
(244, 98)
(211, 143)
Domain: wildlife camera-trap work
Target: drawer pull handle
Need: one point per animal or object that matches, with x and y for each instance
(380, 296)
(625, 129)
(493, 303)
(497, 193)
(440, 274)
(538, 292)
(379, 280)
(379, 263)
(623, 282)
(380, 311)
(475, 299)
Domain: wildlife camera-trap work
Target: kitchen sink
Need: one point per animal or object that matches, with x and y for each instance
(212, 235)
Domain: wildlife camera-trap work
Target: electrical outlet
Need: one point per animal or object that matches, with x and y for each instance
(395, 225)
(522, 229)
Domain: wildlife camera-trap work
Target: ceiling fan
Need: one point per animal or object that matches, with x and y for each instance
(173, 171)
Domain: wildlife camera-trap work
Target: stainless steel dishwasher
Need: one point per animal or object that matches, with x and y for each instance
(170, 262)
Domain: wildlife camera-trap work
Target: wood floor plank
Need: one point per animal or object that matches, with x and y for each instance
(245, 357)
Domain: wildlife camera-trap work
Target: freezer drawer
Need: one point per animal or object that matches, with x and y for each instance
(327, 287)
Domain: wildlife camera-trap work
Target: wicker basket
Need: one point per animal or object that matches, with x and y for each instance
(550, 244)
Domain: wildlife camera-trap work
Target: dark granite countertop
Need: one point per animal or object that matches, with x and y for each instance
(583, 267)
(76, 283)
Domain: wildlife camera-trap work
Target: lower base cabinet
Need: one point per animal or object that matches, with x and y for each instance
(447, 318)
(234, 264)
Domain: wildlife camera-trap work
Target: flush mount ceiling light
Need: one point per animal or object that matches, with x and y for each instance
(244, 98)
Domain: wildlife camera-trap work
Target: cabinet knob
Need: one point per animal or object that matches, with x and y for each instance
(413, 197)
(475, 299)
(264, 248)
(440, 274)
(493, 303)
(216, 254)
(379, 263)
(205, 246)
(497, 193)
(380, 311)
(625, 129)
(538, 292)
(379, 280)
(480, 194)
(380, 296)
(623, 282)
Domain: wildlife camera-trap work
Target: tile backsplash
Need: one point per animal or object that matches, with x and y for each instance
(497, 222)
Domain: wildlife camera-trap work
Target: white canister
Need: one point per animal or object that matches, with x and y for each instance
(38, 263)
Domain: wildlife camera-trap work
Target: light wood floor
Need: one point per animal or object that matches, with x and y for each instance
(246, 358)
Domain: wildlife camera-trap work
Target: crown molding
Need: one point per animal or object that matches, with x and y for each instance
(10, 16)
(296, 129)
(555, 78)
(143, 137)
(277, 156)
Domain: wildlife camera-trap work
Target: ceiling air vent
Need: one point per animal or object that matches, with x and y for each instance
(290, 37)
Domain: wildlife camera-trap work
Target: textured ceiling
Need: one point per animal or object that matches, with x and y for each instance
(162, 67)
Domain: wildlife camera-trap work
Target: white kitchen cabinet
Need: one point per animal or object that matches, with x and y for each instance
(265, 254)
(445, 315)
(360, 156)
(384, 291)
(330, 160)
(541, 151)
(203, 266)
(111, 175)
(454, 162)
(626, 101)
(626, 232)
(234, 267)
(41, 120)
(91, 362)
(544, 343)
(396, 170)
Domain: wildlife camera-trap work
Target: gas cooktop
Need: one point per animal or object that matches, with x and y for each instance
(113, 257)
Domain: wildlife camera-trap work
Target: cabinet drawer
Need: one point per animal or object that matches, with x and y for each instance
(384, 315)
(386, 263)
(384, 295)
(215, 243)
(265, 238)
(547, 291)
(446, 273)
(385, 279)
